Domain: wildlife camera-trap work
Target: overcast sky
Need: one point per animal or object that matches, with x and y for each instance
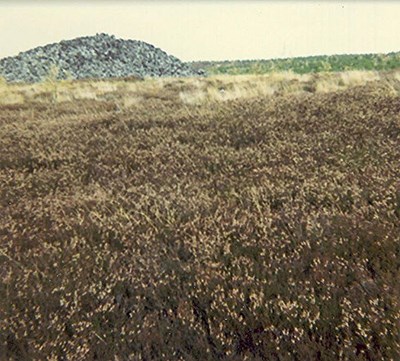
(205, 30)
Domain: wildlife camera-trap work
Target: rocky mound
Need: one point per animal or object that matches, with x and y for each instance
(99, 56)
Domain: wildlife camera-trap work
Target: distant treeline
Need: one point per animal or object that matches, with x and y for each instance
(302, 65)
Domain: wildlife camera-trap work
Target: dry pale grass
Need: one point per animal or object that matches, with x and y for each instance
(331, 82)
(252, 228)
(191, 91)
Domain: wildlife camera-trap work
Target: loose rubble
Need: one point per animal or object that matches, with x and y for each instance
(100, 56)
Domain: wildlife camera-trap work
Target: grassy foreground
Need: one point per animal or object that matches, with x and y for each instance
(210, 219)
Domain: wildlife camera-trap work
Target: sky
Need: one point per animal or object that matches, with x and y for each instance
(209, 30)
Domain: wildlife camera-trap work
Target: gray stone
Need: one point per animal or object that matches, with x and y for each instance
(99, 56)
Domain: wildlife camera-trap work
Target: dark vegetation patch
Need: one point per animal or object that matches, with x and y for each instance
(264, 229)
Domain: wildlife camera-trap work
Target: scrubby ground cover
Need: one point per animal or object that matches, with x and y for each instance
(259, 227)
(304, 65)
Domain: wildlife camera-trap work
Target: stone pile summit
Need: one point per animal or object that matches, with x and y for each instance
(98, 57)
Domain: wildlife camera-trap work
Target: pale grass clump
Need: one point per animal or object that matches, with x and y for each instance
(240, 90)
(87, 92)
(128, 102)
(8, 98)
(103, 87)
(287, 75)
(3, 82)
(331, 82)
(195, 96)
(358, 77)
(397, 75)
(327, 83)
(226, 87)
(8, 95)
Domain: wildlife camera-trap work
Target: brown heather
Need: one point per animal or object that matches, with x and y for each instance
(262, 227)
